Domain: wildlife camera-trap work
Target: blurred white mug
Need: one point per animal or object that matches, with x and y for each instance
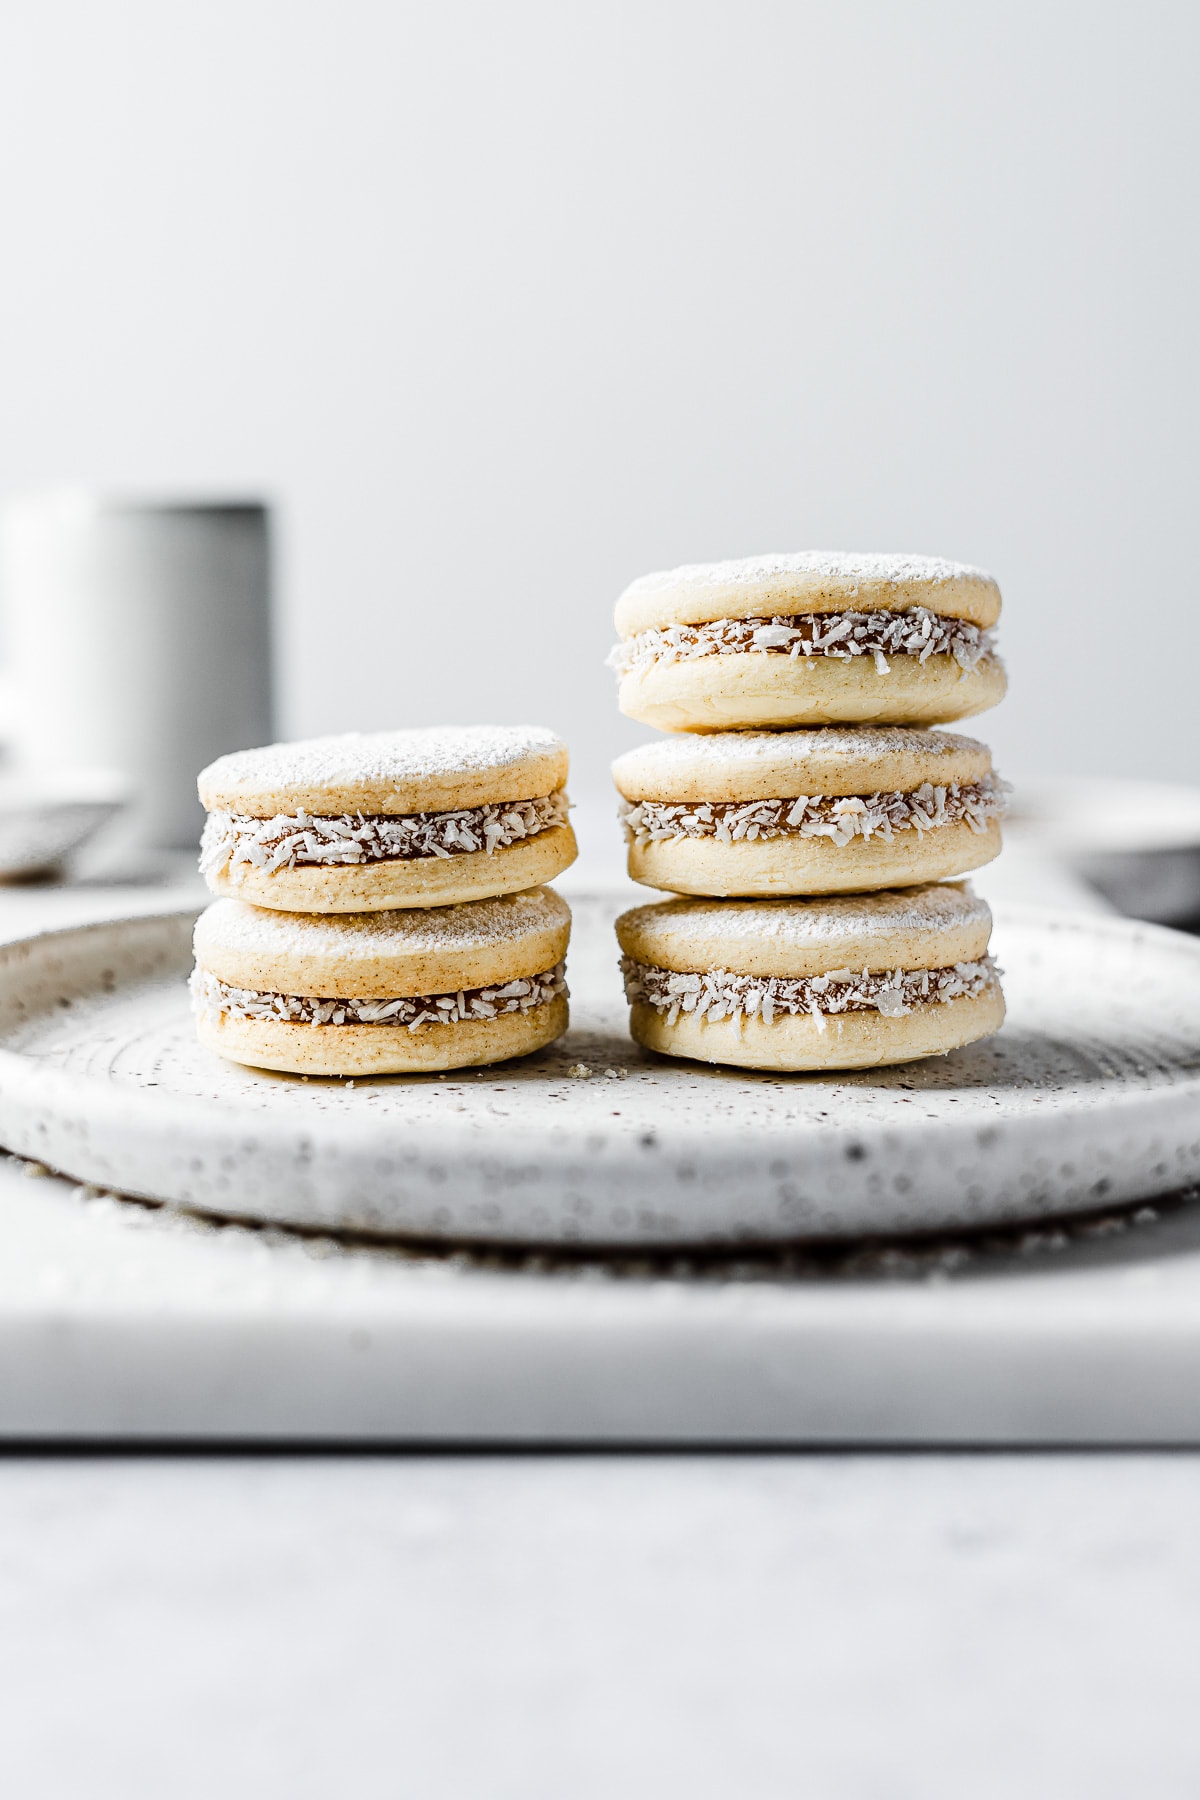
(135, 638)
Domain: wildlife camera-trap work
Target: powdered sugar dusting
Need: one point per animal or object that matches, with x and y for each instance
(212, 998)
(442, 930)
(719, 751)
(719, 994)
(826, 565)
(385, 757)
(800, 925)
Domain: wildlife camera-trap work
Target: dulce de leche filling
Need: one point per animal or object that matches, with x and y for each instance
(719, 994)
(915, 631)
(975, 804)
(291, 840)
(214, 999)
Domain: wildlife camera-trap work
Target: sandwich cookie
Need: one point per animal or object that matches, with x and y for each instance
(808, 639)
(388, 819)
(382, 993)
(836, 810)
(845, 983)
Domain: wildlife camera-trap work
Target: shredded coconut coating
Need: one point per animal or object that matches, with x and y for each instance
(841, 820)
(844, 635)
(289, 841)
(721, 995)
(212, 998)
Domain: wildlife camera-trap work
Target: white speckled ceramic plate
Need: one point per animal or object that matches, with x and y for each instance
(1089, 1096)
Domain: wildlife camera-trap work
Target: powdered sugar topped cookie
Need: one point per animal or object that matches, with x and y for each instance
(432, 768)
(848, 982)
(382, 992)
(919, 927)
(807, 581)
(808, 812)
(397, 952)
(427, 817)
(806, 639)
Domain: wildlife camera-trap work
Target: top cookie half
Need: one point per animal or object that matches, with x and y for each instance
(363, 822)
(811, 638)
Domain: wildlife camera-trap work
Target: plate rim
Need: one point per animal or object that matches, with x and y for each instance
(56, 1094)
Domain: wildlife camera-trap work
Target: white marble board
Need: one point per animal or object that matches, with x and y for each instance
(127, 1323)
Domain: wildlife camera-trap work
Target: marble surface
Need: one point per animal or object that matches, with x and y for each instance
(499, 1628)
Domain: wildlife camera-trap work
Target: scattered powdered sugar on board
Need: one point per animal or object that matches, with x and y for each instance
(386, 756)
(825, 565)
(256, 931)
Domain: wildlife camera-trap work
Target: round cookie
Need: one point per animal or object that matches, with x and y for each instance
(813, 638)
(382, 993)
(849, 982)
(374, 821)
(834, 810)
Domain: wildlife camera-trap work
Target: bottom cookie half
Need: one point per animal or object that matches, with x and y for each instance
(301, 1049)
(850, 1040)
(792, 864)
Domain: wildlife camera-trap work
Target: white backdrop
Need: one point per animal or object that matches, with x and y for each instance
(506, 304)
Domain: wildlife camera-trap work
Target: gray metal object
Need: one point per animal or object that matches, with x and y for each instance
(1135, 842)
(44, 821)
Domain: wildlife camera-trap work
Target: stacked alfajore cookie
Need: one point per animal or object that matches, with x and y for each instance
(803, 688)
(380, 908)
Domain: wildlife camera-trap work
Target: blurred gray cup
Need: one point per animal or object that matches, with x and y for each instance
(136, 638)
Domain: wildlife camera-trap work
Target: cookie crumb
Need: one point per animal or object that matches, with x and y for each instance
(579, 1072)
